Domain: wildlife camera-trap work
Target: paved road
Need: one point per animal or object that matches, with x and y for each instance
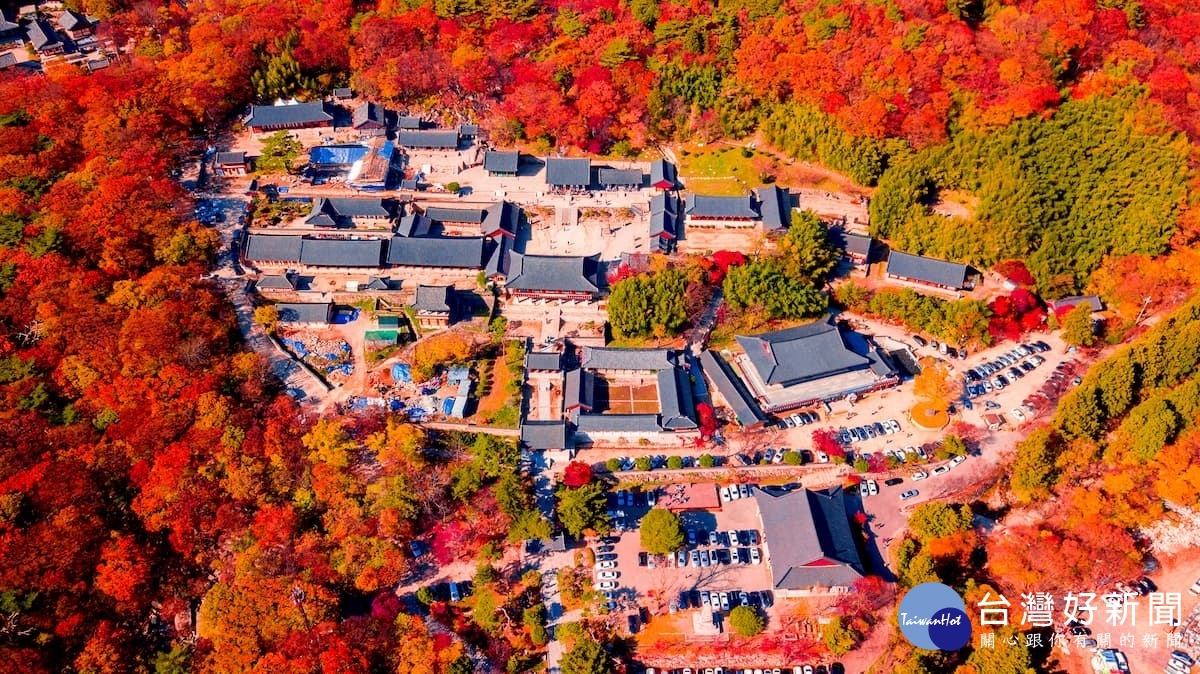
(299, 381)
(472, 428)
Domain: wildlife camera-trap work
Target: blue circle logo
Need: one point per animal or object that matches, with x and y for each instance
(934, 617)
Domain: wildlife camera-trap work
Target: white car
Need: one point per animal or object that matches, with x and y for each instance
(744, 490)
(1018, 413)
(607, 564)
(870, 487)
(958, 459)
(734, 492)
(755, 558)
(608, 575)
(919, 475)
(725, 496)
(822, 457)
(607, 585)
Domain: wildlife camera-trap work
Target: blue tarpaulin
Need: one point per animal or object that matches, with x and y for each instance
(416, 414)
(397, 405)
(336, 155)
(401, 373)
(447, 406)
(345, 347)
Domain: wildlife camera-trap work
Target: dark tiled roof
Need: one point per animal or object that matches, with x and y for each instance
(225, 158)
(276, 282)
(927, 269)
(267, 248)
(554, 273)
(288, 115)
(305, 312)
(379, 283)
(540, 435)
(547, 361)
(100, 63)
(343, 92)
(735, 395)
(775, 205)
(468, 129)
(433, 298)
(675, 401)
(6, 25)
(69, 20)
(663, 173)
(409, 123)
(472, 215)
(568, 172)
(42, 35)
(579, 388)
(437, 251)
(368, 113)
(436, 140)
(857, 244)
(646, 360)
(618, 423)
(414, 225)
(7, 60)
(809, 539)
(703, 206)
(621, 177)
(342, 252)
(802, 353)
(1091, 300)
(499, 161)
(498, 257)
(664, 215)
(330, 211)
(501, 218)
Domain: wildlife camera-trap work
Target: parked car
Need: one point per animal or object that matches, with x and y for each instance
(892, 482)
(941, 470)
(755, 558)
(607, 585)
(822, 457)
(920, 340)
(919, 475)
(908, 494)
(725, 496)
(744, 490)
(869, 488)
(608, 575)
(612, 564)
(958, 459)
(691, 536)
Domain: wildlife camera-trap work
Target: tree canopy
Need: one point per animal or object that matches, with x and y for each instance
(661, 531)
(648, 305)
(746, 621)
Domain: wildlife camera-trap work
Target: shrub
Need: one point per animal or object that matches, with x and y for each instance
(793, 458)
(661, 532)
(707, 461)
(642, 463)
(674, 463)
(613, 465)
(746, 621)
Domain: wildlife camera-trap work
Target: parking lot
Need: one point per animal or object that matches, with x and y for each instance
(721, 566)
